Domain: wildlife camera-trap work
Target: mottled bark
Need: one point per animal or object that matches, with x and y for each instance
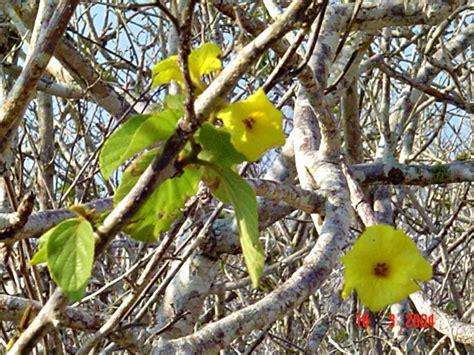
(45, 172)
(351, 125)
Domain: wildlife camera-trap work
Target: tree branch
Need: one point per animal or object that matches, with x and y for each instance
(12, 309)
(423, 175)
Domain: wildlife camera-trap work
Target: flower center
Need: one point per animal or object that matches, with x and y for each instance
(249, 122)
(381, 270)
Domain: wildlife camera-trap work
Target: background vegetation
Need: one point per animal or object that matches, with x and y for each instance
(378, 105)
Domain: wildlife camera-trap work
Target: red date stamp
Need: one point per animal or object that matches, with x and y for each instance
(412, 320)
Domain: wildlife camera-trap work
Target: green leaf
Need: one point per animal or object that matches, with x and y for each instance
(244, 201)
(213, 182)
(172, 195)
(162, 208)
(70, 251)
(40, 256)
(216, 146)
(138, 133)
(175, 102)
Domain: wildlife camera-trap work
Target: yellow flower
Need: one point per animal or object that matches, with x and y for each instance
(255, 125)
(382, 266)
(202, 61)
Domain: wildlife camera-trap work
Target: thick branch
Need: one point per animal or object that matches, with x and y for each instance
(79, 70)
(14, 106)
(443, 323)
(40, 222)
(311, 202)
(316, 268)
(401, 174)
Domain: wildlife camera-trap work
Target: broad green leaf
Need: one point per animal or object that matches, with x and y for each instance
(70, 251)
(244, 201)
(138, 133)
(213, 182)
(175, 102)
(41, 256)
(140, 226)
(172, 195)
(163, 206)
(133, 172)
(216, 146)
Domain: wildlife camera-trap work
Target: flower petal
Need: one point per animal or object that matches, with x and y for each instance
(204, 60)
(378, 293)
(165, 71)
(254, 124)
(372, 293)
(408, 255)
(382, 266)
